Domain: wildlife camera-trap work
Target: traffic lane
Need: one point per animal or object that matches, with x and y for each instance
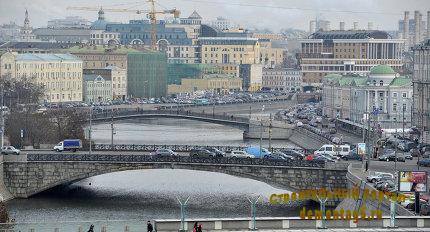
(242, 107)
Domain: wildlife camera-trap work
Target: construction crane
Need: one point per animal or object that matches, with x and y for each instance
(151, 15)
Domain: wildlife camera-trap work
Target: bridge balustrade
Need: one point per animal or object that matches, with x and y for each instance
(126, 158)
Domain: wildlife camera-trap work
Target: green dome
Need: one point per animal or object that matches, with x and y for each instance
(382, 69)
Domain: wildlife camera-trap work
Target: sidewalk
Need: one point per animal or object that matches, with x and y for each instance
(336, 230)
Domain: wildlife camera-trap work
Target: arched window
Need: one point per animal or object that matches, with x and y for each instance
(381, 82)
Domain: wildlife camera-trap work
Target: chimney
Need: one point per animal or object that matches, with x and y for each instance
(370, 26)
(406, 29)
(417, 27)
(342, 26)
(355, 26)
(428, 24)
(422, 29)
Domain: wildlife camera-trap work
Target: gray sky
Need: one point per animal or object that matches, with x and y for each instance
(272, 14)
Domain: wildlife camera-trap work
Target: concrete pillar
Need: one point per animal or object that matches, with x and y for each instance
(370, 26)
(417, 27)
(355, 26)
(406, 29)
(342, 26)
(428, 24)
(420, 34)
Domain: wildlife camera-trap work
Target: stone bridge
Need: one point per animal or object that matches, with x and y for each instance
(251, 129)
(26, 175)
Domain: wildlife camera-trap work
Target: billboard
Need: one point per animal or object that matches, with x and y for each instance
(412, 181)
(361, 149)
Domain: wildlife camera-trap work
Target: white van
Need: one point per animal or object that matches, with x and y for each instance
(334, 150)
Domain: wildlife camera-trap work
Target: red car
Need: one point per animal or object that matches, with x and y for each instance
(309, 157)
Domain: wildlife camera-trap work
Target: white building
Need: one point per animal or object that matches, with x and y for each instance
(353, 97)
(102, 37)
(97, 88)
(221, 23)
(282, 79)
(183, 54)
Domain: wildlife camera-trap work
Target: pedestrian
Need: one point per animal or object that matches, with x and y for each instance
(195, 227)
(199, 229)
(91, 228)
(150, 228)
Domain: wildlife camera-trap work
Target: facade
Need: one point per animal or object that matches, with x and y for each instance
(139, 32)
(414, 32)
(353, 97)
(421, 85)
(345, 52)
(10, 32)
(147, 74)
(33, 47)
(69, 22)
(118, 78)
(269, 36)
(99, 57)
(252, 77)
(271, 56)
(281, 79)
(97, 88)
(101, 37)
(229, 50)
(60, 74)
(183, 54)
(213, 83)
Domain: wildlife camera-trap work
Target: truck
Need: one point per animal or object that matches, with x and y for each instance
(255, 151)
(68, 145)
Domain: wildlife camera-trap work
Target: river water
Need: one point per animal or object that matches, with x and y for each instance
(150, 194)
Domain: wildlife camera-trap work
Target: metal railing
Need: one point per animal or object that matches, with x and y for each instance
(127, 158)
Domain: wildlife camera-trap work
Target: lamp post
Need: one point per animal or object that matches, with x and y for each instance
(253, 212)
(183, 204)
(261, 132)
(90, 130)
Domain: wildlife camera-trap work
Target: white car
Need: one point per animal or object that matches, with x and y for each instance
(240, 154)
(10, 150)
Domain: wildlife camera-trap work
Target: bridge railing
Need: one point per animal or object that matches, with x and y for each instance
(129, 112)
(176, 147)
(127, 158)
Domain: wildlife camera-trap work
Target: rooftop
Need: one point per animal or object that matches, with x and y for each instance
(45, 57)
(93, 77)
(100, 49)
(382, 70)
(362, 34)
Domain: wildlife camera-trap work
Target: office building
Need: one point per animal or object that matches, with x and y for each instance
(60, 74)
(69, 22)
(352, 97)
(281, 79)
(147, 74)
(221, 23)
(343, 52)
(225, 50)
(421, 86)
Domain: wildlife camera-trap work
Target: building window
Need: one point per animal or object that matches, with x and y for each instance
(395, 107)
(394, 95)
(404, 95)
(404, 107)
(381, 82)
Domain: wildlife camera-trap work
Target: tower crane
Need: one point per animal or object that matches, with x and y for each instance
(151, 14)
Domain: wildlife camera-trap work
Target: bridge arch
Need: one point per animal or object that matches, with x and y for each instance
(136, 41)
(45, 171)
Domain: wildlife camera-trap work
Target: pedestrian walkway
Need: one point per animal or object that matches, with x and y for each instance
(338, 230)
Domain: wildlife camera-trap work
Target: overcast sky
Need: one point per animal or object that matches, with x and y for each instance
(272, 14)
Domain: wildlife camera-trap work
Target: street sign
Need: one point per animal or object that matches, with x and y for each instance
(361, 149)
(412, 181)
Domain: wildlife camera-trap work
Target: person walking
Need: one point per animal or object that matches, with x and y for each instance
(91, 228)
(199, 229)
(195, 227)
(149, 226)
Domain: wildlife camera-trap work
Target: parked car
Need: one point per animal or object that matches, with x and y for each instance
(258, 152)
(390, 155)
(10, 150)
(279, 155)
(165, 153)
(379, 176)
(68, 145)
(240, 154)
(202, 153)
(323, 158)
(293, 153)
(334, 150)
(217, 152)
(424, 162)
(405, 145)
(352, 156)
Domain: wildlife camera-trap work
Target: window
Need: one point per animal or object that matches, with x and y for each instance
(381, 82)
(394, 95)
(395, 107)
(404, 107)
(404, 95)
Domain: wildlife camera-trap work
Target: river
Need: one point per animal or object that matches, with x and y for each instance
(150, 194)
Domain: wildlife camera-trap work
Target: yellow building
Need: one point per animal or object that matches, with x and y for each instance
(271, 56)
(60, 74)
(229, 50)
(215, 83)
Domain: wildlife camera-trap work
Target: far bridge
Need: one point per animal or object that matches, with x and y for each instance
(252, 129)
(29, 174)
